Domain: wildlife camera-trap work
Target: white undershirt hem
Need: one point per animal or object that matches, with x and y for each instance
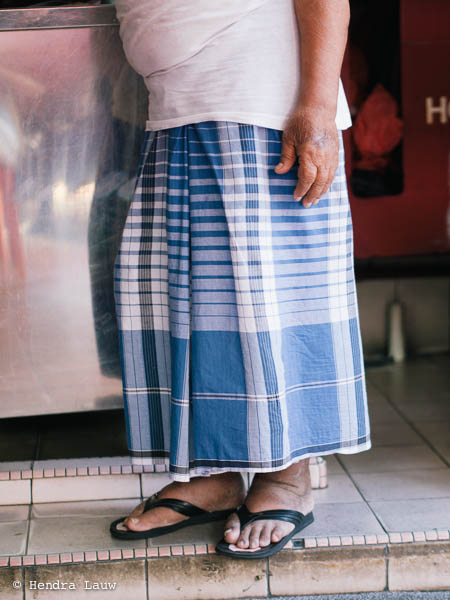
(262, 120)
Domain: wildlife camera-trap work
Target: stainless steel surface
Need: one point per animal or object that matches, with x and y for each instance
(72, 115)
(57, 18)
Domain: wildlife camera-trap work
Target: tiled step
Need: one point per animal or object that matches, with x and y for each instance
(63, 537)
(63, 480)
(195, 572)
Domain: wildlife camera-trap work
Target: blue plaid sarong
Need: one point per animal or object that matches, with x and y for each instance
(237, 310)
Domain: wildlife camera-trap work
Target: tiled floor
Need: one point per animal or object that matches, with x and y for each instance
(401, 484)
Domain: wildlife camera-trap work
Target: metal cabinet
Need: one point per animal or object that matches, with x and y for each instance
(72, 117)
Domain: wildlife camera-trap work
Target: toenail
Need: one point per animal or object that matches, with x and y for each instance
(133, 520)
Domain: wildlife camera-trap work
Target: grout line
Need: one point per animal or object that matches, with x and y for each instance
(366, 502)
(386, 555)
(28, 524)
(147, 546)
(146, 567)
(410, 423)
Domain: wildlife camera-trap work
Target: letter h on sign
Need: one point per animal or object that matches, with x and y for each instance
(442, 109)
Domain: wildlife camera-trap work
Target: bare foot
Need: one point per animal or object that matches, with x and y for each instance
(218, 492)
(287, 489)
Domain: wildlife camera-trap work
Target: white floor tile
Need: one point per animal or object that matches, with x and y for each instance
(154, 482)
(71, 534)
(374, 394)
(340, 489)
(392, 458)
(334, 467)
(414, 381)
(16, 491)
(381, 412)
(443, 448)
(402, 485)
(15, 512)
(430, 409)
(91, 508)
(394, 434)
(438, 435)
(13, 537)
(90, 487)
(413, 515)
(442, 361)
(342, 519)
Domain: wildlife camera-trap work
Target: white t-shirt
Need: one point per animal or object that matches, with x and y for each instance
(227, 60)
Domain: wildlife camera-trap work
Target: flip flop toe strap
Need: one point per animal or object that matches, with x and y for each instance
(185, 508)
(291, 516)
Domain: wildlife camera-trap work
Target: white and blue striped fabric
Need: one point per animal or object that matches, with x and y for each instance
(237, 310)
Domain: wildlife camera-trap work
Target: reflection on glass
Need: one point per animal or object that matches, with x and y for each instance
(72, 114)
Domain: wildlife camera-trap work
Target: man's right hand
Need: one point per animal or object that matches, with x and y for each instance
(311, 136)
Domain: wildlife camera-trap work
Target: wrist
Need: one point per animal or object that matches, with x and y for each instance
(317, 99)
(315, 111)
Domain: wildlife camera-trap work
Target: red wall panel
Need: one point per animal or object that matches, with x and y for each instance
(418, 220)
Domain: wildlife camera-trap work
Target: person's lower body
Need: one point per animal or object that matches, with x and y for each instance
(238, 324)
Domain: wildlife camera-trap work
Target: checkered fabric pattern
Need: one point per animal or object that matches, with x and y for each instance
(237, 309)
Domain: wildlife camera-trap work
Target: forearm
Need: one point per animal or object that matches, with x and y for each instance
(323, 26)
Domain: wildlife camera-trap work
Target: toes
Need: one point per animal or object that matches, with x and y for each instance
(136, 512)
(132, 523)
(243, 541)
(277, 534)
(264, 538)
(280, 531)
(133, 518)
(255, 534)
(232, 529)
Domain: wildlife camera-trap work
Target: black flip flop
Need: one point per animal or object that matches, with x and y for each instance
(197, 516)
(298, 519)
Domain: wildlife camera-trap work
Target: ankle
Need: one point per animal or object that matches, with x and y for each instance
(296, 482)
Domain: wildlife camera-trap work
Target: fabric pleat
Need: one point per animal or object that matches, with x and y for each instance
(237, 310)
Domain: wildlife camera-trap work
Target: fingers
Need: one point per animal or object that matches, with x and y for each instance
(310, 188)
(307, 173)
(317, 189)
(316, 170)
(329, 180)
(287, 160)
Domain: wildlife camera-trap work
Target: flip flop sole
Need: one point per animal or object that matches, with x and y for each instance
(158, 531)
(223, 547)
